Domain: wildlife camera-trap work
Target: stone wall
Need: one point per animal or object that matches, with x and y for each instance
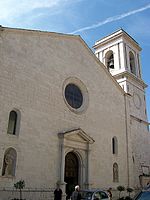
(28, 194)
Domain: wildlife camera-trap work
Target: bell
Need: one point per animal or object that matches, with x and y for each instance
(111, 64)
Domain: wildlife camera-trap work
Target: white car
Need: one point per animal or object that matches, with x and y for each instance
(94, 194)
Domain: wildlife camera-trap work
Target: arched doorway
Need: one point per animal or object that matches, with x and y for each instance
(71, 172)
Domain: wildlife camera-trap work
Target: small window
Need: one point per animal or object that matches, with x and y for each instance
(128, 88)
(132, 63)
(12, 123)
(9, 162)
(148, 128)
(145, 112)
(115, 173)
(73, 96)
(133, 159)
(114, 145)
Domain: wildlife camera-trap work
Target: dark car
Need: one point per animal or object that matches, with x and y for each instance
(143, 195)
(94, 194)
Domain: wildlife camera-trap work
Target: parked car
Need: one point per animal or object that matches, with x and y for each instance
(143, 195)
(94, 194)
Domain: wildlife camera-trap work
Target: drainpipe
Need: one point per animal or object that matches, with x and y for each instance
(62, 159)
(62, 165)
(87, 167)
(127, 141)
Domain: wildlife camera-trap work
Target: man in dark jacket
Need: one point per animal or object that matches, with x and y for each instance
(58, 193)
(76, 194)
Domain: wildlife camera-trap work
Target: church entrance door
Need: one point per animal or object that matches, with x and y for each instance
(71, 172)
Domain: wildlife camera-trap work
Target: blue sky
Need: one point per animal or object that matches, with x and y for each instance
(92, 19)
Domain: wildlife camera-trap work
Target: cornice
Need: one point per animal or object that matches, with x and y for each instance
(115, 36)
(139, 120)
(131, 77)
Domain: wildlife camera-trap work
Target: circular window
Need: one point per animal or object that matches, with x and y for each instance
(73, 96)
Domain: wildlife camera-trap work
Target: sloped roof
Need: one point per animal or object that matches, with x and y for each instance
(67, 36)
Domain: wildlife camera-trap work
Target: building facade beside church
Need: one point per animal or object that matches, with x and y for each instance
(121, 55)
(68, 116)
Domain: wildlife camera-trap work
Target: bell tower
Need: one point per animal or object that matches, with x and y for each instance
(120, 53)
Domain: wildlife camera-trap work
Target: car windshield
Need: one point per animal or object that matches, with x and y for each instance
(144, 196)
(86, 195)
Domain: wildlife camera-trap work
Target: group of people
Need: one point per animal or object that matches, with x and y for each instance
(76, 194)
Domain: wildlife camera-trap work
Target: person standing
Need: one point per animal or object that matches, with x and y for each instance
(76, 194)
(110, 193)
(58, 193)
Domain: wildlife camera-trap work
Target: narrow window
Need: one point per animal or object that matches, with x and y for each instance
(9, 162)
(145, 112)
(115, 173)
(128, 88)
(132, 63)
(12, 123)
(139, 64)
(114, 145)
(133, 159)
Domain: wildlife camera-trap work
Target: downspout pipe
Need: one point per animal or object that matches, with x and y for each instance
(126, 95)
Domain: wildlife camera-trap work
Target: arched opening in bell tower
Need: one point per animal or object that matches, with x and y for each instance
(110, 60)
(132, 63)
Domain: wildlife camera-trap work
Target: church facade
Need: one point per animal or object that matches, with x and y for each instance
(68, 116)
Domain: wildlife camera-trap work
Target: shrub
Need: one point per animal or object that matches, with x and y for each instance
(120, 189)
(129, 190)
(20, 185)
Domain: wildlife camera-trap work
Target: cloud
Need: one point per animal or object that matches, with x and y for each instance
(112, 19)
(14, 9)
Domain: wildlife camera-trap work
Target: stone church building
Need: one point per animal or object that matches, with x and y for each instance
(70, 116)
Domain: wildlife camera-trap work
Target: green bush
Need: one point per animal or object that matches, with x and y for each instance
(129, 190)
(20, 185)
(120, 188)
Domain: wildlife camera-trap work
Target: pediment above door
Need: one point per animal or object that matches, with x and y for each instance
(77, 135)
(75, 138)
